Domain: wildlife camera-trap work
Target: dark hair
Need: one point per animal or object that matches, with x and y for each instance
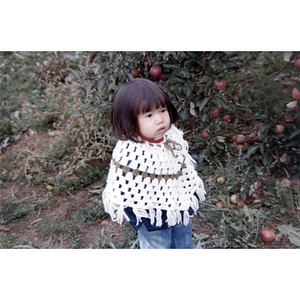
(135, 97)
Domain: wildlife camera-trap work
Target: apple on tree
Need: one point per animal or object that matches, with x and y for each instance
(296, 94)
(216, 112)
(259, 125)
(135, 73)
(156, 71)
(240, 139)
(289, 119)
(205, 134)
(226, 118)
(297, 63)
(220, 85)
(279, 128)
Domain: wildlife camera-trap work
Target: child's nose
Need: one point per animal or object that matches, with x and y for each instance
(159, 119)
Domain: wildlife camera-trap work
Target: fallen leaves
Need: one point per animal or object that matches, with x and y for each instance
(293, 233)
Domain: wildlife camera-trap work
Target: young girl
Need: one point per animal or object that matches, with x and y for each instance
(152, 181)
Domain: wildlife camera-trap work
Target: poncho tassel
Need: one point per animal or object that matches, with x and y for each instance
(178, 217)
(152, 215)
(186, 218)
(138, 217)
(171, 218)
(158, 217)
(194, 204)
(201, 194)
(120, 214)
(110, 210)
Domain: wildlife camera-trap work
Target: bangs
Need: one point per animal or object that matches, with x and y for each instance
(147, 96)
(151, 103)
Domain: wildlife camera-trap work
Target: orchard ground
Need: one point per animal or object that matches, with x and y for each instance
(41, 219)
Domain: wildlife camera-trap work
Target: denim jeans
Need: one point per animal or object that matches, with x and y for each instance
(175, 237)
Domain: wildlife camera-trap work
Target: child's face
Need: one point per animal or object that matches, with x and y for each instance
(154, 123)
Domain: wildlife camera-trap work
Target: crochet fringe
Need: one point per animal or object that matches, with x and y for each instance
(151, 178)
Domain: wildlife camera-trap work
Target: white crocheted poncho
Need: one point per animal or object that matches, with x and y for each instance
(151, 177)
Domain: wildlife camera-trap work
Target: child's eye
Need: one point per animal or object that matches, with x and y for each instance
(163, 110)
(149, 116)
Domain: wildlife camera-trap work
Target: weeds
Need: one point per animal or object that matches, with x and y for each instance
(61, 231)
(286, 195)
(13, 209)
(129, 241)
(92, 213)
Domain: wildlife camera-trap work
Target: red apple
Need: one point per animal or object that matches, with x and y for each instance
(205, 134)
(296, 94)
(156, 71)
(288, 119)
(267, 235)
(297, 63)
(240, 204)
(216, 112)
(220, 204)
(226, 118)
(220, 85)
(259, 125)
(279, 128)
(240, 139)
(135, 73)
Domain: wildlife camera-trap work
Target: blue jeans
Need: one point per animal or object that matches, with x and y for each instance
(175, 237)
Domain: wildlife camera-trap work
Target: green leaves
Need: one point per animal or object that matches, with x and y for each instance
(292, 233)
(252, 149)
(219, 102)
(202, 103)
(75, 74)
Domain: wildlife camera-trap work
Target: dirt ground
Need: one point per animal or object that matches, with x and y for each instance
(35, 228)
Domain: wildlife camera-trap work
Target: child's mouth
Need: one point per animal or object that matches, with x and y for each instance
(161, 130)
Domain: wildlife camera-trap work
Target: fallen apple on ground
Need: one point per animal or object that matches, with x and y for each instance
(220, 204)
(267, 235)
(234, 199)
(221, 180)
(297, 63)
